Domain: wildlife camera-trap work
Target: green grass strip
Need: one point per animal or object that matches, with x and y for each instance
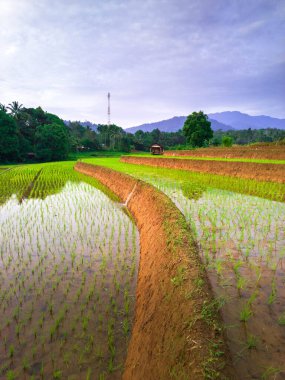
(52, 179)
(268, 190)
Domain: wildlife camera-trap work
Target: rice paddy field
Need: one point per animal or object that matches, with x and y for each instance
(69, 255)
(68, 267)
(241, 241)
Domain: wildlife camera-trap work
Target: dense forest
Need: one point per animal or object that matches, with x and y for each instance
(31, 134)
(249, 136)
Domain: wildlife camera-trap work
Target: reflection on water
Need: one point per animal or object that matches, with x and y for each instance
(42, 180)
(68, 267)
(242, 243)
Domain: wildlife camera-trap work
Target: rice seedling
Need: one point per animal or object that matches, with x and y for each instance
(271, 371)
(251, 342)
(126, 327)
(11, 351)
(241, 242)
(281, 319)
(57, 260)
(273, 293)
(10, 375)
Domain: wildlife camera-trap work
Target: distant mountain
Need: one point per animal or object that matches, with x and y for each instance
(240, 120)
(217, 125)
(173, 125)
(219, 121)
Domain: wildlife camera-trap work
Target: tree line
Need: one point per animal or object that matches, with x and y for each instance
(31, 134)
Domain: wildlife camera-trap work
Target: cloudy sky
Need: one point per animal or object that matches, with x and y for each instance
(158, 58)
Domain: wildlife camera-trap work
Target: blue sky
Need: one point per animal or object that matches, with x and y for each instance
(158, 58)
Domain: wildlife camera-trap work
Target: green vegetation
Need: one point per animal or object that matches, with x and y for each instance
(74, 156)
(36, 135)
(31, 135)
(249, 136)
(141, 141)
(51, 180)
(227, 141)
(51, 142)
(268, 190)
(197, 129)
(68, 265)
(240, 241)
(68, 262)
(9, 142)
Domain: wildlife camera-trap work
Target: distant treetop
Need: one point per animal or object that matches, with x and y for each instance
(197, 129)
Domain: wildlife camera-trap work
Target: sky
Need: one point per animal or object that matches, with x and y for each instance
(157, 58)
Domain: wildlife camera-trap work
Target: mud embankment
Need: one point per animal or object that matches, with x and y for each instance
(275, 152)
(250, 170)
(176, 333)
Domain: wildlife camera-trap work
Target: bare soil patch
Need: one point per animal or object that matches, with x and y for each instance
(261, 172)
(266, 152)
(177, 331)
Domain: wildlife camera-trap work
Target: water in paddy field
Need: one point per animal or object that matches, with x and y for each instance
(68, 271)
(242, 243)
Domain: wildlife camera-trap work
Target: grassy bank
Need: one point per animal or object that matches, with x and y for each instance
(267, 190)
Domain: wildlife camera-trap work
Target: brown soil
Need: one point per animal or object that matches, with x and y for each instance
(261, 172)
(266, 152)
(176, 335)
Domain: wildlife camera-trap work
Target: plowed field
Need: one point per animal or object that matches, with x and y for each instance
(262, 172)
(275, 152)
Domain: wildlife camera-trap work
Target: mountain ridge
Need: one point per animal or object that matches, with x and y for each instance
(228, 120)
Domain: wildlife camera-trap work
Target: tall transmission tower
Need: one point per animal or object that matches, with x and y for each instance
(109, 109)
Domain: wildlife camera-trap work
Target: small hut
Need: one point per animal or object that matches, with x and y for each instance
(31, 155)
(156, 149)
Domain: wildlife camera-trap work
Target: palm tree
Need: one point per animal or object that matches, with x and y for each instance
(3, 107)
(15, 109)
(116, 135)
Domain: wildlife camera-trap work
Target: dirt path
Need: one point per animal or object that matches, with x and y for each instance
(176, 332)
(261, 172)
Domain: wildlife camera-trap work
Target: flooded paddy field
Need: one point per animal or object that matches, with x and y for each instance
(241, 241)
(242, 244)
(68, 269)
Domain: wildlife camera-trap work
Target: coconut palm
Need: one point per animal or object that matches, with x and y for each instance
(115, 135)
(3, 107)
(15, 109)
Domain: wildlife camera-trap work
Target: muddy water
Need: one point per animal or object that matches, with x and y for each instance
(68, 268)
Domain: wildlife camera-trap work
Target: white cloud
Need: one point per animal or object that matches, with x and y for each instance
(158, 58)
